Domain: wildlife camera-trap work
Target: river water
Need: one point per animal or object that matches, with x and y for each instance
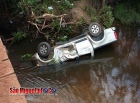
(113, 76)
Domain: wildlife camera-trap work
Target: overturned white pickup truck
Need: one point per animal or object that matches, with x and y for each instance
(92, 38)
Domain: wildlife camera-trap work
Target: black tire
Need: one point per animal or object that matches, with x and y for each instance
(44, 49)
(85, 31)
(95, 29)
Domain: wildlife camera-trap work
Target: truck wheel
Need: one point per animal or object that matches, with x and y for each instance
(95, 29)
(43, 49)
(85, 31)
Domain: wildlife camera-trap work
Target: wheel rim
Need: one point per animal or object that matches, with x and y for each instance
(43, 49)
(95, 29)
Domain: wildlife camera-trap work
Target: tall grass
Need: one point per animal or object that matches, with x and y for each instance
(127, 15)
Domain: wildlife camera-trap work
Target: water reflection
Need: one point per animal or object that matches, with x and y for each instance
(128, 48)
(99, 82)
(115, 85)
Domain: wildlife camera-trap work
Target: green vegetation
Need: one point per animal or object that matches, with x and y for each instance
(106, 16)
(45, 17)
(8, 6)
(103, 15)
(62, 38)
(42, 6)
(128, 12)
(33, 11)
(26, 56)
(19, 35)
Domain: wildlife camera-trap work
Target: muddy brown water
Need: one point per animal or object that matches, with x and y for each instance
(113, 76)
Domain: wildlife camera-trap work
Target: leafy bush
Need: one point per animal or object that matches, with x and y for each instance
(26, 56)
(62, 38)
(8, 5)
(106, 16)
(39, 7)
(127, 15)
(103, 15)
(19, 35)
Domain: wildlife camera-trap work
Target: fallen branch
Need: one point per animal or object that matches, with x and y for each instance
(43, 24)
(46, 15)
(6, 40)
(71, 23)
(2, 37)
(59, 27)
(36, 27)
(9, 39)
(47, 21)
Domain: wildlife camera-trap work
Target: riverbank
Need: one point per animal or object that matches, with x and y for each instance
(8, 79)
